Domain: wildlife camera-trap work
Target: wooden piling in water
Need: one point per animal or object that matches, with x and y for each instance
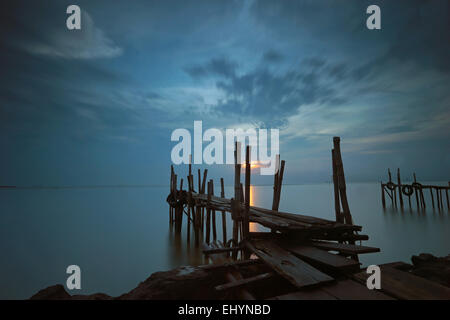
(224, 218)
(275, 182)
(208, 215)
(213, 213)
(383, 198)
(399, 186)
(245, 220)
(432, 197)
(237, 194)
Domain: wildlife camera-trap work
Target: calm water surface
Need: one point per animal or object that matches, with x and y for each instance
(119, 236)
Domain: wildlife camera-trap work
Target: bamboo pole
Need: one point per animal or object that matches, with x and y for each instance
(337, 205)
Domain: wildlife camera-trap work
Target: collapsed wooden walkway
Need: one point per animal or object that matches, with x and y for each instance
(415, 189)
(300, 253)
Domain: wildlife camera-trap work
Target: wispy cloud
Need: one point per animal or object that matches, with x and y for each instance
(88, 43)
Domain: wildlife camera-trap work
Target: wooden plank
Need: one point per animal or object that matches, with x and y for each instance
(231, 264)
(406, 286)
(344, 248)
(232, 275)
(314, 255)
(351, 290)
(341, 290)
(296, 271)
(243, 282)
(313, 294)
(220, 250)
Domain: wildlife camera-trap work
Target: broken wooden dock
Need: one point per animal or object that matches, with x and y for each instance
(416, 189)
(301, 257)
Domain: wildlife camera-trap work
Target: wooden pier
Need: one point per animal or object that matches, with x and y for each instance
(301, 257)
(401, 193)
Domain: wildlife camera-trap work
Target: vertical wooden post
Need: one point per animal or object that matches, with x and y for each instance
(341, 181)
(190, 165)
(275, 182)
(416, 192)
(399, 185)
(171, 192)
(191, 208)
(383, 198)
(237, 193)
(422, 198)
(342, 186)
(432, 197)
(208, 214)
(247, 193)
(199, 181)
(438, 201)
(235, 205)
(205, 174)
(213, 212)
(446, 193)
(224, 218)
(280, 183)
(337, 205)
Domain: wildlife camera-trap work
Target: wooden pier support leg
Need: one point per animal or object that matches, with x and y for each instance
(205, 174)
(399, 185)
(198, 212)
(208, 215)
(237, 192)
(422, 199)
(224, 218)
(280, 183)
(438, 200)
(337, 204)
(383, 198)
(432, 197)
(247, 193)
(235, 214)
(342, 186)
(275, 182)
(171, 192)
(416, 192)
(213, 213)
(446, 194)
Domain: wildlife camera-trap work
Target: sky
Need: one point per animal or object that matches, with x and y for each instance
(97, 106)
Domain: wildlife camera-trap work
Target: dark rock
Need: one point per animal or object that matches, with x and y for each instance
(181, 283)
(432, 268)
(56, 292)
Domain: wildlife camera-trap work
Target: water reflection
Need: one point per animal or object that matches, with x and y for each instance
(129, 228)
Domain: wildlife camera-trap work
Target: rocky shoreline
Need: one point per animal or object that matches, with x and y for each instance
(197, 283)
